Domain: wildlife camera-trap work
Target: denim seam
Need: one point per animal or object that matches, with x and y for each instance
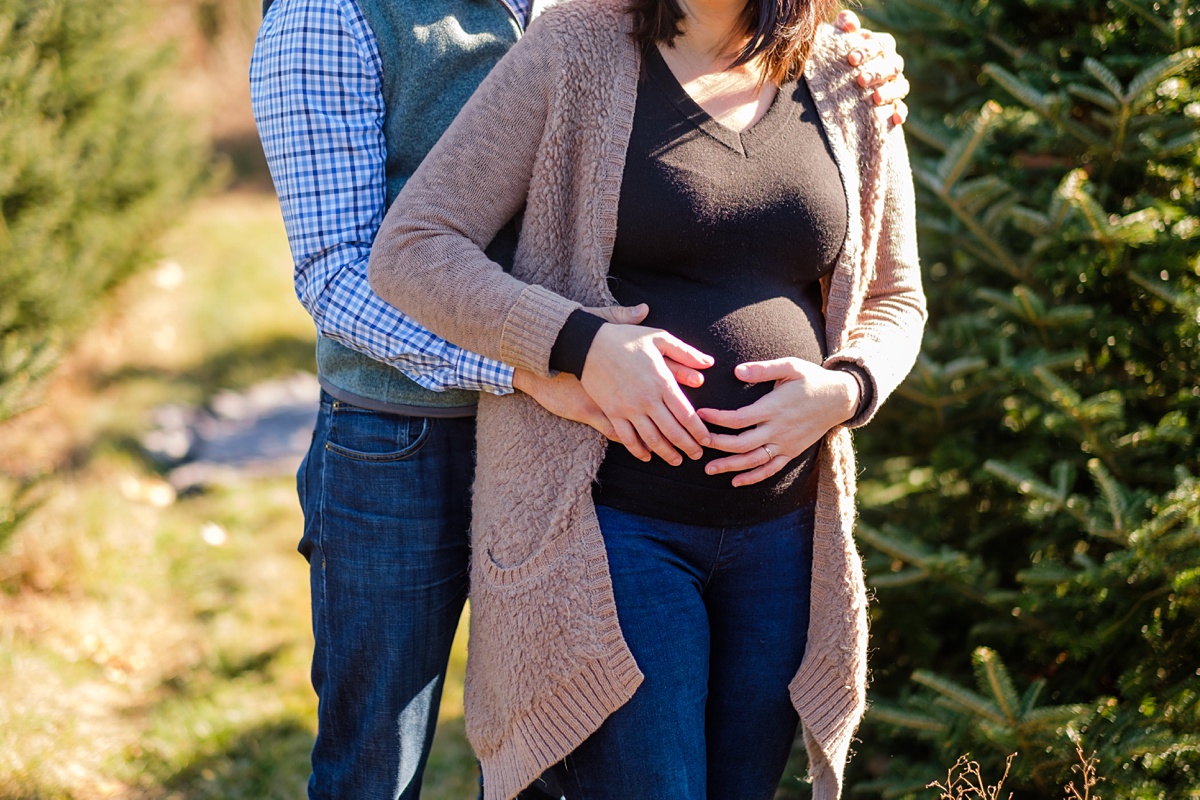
(736, 546)
(320, 522)
(716, 562)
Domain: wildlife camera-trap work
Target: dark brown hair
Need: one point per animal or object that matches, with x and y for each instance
(780, 31)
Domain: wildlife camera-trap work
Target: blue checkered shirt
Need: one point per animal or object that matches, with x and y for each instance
(315, 84)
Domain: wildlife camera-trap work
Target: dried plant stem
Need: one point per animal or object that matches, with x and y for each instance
(964, 781)
(1087, 772)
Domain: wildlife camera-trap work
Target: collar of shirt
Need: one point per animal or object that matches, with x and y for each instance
(521, 9)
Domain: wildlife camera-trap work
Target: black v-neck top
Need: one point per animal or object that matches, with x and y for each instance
(724, 235)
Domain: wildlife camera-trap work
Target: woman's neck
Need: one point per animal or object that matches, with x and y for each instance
(700, 58)
(711, 29)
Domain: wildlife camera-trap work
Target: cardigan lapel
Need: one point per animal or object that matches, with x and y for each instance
(827, 82)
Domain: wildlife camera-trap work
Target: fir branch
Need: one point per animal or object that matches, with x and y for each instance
(1149, 16)
(963, 149)
(893, 580)
(922, 131)
(1106, 78)
(1187, 303)
(904, 718)
(1142, 88)
(968, 23)
(959, 697)
(1105, 101)
(992, 672)
(1113, 494)
(892, 546)
(1047, 105)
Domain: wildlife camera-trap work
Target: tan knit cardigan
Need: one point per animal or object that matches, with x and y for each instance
(547, 131)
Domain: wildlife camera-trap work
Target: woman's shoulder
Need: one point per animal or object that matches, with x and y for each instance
(583, 21)
(827, 65)
(589, 38)
(834, 86)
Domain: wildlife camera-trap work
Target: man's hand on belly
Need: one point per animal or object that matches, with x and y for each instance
(807, 401)
(563, 396)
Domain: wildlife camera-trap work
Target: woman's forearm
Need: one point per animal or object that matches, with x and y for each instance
(886, 336)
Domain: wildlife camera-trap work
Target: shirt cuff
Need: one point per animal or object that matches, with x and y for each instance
(475, 373)
(570, 349)
(866, 389)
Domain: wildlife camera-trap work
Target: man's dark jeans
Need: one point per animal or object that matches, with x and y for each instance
(386, 509)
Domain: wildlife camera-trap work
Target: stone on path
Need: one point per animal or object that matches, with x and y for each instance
(261, 431)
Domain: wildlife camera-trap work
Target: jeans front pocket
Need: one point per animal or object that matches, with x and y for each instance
(364, 435)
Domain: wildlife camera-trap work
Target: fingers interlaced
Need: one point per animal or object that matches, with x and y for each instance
(628, 437)
(685, 376)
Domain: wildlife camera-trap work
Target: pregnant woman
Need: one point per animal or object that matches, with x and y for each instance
(650, 625)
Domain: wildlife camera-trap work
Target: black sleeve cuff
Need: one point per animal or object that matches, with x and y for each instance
(866, 387)
(574, 340)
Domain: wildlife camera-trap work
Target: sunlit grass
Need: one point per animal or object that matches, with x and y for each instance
(140, 657)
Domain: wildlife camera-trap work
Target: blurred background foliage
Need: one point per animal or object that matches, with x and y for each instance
(95, 164)
(151, 645)
(1031, 508)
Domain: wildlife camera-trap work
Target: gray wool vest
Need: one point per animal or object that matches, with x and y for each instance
(434, 54)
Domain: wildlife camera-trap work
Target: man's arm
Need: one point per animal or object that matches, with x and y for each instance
(318, 104)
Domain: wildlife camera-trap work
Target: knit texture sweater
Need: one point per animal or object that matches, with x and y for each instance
(547, 131)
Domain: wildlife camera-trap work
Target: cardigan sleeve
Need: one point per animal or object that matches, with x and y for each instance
(886, 336)
(428, 258)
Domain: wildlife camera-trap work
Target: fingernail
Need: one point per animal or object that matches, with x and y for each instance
(705, 442)
(710, 470)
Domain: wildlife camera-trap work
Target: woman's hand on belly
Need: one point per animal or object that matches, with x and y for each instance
(807, 401)
(633, 374)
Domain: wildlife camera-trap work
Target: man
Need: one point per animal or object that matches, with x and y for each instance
(349, 95)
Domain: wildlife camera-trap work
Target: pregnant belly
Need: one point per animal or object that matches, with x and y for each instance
(734, 330)
(733, 326)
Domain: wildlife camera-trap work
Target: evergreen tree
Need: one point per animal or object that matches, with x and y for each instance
(93, 164)
(1031, 502)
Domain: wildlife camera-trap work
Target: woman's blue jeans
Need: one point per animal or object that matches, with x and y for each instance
(717, 619)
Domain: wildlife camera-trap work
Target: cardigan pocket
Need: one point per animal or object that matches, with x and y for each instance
(506, 574)
(532, 495)
(576, 535)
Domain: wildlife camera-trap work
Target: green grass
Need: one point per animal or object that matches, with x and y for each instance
(137, 660)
